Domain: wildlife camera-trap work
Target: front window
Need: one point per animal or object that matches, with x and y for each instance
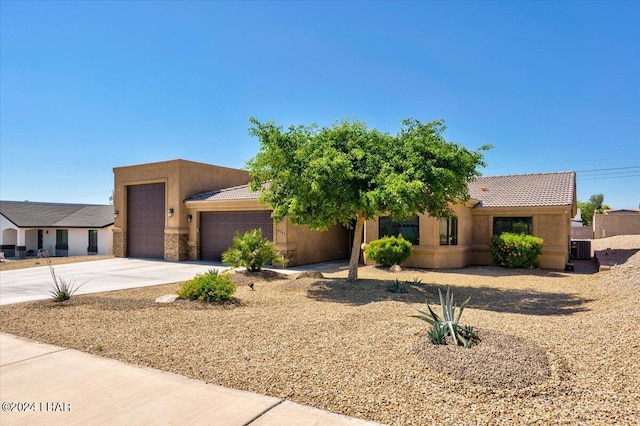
(449, 231)
(62, 237)
(93, 238)
(515, 225)
(409, 229)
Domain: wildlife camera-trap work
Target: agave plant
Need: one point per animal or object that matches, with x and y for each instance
(449, 323)
(397, 287)
(437, 334)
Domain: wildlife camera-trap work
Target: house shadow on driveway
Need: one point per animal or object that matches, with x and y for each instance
(516, 301)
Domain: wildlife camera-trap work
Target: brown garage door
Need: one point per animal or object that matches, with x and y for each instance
(218, 228)
(145, 220)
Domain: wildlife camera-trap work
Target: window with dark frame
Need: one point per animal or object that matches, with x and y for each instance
(93, 241)
(515, 225)
(449, 231)
(409, 229)
(62, 239)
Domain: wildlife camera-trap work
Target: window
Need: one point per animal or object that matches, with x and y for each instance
(516, 225)
(449, 231)
(62, 239)
(409, 229)
(93, 240)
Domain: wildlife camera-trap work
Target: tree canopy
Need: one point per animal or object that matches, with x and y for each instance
(349, 173)
(595, 205)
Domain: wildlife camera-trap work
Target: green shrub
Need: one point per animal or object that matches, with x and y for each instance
(448, 325)
(251, 251)
(211, 286)
(389, 251)
(516, 250)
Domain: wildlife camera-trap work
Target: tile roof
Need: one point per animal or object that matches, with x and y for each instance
(530, 190)
(527, 190)
(241, 192)
(27, 214)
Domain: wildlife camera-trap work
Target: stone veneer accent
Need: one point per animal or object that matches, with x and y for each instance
(176, 246)
(290, 256)
(193, 252)
(119, 243)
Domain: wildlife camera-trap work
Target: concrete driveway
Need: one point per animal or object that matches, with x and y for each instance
(24, 285)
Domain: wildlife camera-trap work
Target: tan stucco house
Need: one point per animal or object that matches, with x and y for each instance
(181, 210)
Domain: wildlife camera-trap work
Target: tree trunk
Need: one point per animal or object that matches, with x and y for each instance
(355, 249)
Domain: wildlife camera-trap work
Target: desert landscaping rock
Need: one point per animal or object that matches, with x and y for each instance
(167, 298)
(309, 274)
(557, 347)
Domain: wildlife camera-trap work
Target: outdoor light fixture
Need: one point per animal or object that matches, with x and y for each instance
(189, 218)
(170, 212)
(116, 213)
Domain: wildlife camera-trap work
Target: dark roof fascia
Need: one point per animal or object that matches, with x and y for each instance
(61, 227)
(10, 220)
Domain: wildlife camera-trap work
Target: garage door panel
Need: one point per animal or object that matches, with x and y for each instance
(217, 229)
(145, 220)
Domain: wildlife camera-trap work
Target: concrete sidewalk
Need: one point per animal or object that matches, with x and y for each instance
(45, 384)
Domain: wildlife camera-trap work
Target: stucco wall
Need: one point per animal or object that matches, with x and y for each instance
(609, 225)
(581, 233)
(298, 244)
(429, 253)
(552, 224)
(182, 179)
(301, 246)
(475, 227)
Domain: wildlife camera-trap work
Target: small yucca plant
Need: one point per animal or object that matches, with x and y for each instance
(61, 289)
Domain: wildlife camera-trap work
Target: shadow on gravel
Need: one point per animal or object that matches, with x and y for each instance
(486, 298)
(612, 257)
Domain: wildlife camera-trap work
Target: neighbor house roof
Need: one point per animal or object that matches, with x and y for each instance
(26, 214)
(530, 190)
(241, 192)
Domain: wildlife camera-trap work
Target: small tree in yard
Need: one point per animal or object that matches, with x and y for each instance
(251, 251)
(349, 173)
(595, 205)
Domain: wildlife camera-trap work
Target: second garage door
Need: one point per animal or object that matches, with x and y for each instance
(218, 228)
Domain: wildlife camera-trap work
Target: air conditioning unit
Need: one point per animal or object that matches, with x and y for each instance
(581, 249)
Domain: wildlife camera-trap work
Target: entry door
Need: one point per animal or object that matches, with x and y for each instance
(39, 239)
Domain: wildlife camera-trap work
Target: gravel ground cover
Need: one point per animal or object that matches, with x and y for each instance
(557, 348)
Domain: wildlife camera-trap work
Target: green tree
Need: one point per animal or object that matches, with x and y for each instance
(595, 205)
(349, 173)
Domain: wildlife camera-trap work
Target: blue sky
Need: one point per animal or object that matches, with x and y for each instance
(88, 86)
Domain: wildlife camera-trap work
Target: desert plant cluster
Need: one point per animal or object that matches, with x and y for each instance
(449, 324)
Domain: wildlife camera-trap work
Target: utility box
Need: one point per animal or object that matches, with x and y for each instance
(581, 249)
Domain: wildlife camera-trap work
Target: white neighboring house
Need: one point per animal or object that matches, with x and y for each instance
(62, 229)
